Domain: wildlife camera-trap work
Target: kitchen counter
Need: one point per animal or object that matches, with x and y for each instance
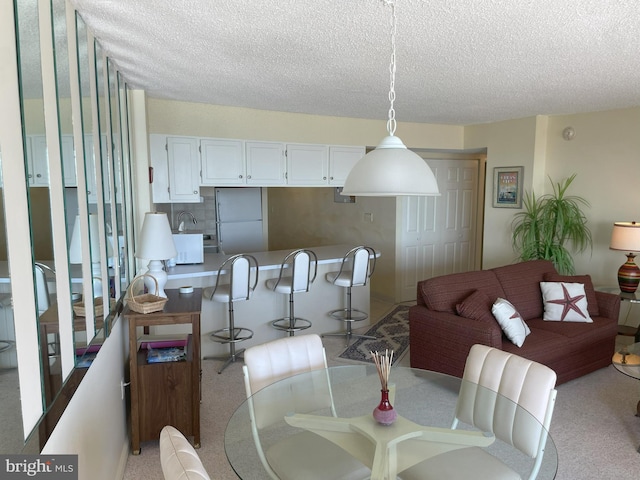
(266, 305)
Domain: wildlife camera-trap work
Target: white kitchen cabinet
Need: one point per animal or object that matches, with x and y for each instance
(38, 164)
(184, 169)
(307, 164)
(222, 162)
(90, 166)
(341, 160)
(265, 163)
(176, 169)
(68, 161)
(160, 168)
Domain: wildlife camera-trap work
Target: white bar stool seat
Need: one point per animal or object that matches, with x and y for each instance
(297, 272)
(357, 266)
(238, 269)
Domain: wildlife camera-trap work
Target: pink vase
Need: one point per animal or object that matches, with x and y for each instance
(384, 413)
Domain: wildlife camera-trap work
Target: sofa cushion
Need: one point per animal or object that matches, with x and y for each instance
(512, 324)
(476, 306)
(443, 293)
(577, 333)
(542, 346)
(564, 302)
(521, 285)
(592, 301)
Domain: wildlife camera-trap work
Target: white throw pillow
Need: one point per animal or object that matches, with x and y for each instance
(510, 321)
(564, 302)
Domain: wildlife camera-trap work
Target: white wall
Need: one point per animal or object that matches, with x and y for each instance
(93, 426)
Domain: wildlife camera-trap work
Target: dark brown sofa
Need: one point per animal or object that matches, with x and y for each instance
(440, 339)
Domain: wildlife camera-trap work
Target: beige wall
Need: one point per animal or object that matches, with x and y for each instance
(304, 217)
(603, 153)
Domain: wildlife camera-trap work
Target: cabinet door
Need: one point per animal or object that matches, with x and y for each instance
(90, 166)
(265, 163)
(69, 161)
(38, 165)
(222, 162)
(341, 160)
(160, 168)
(184, 169)
(307, 164)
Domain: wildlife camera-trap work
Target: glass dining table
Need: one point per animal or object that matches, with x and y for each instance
(425, 401)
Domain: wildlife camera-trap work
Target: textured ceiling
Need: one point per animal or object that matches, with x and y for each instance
(459, 62)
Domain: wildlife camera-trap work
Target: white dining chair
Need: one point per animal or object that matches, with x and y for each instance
(303, 455)
(178, 458)
(493, 383)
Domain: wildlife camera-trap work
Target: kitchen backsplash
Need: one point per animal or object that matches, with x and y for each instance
(204, 212)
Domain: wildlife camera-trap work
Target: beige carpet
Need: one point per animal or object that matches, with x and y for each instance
(594, 427)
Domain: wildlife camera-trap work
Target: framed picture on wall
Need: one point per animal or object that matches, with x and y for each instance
(507, 187)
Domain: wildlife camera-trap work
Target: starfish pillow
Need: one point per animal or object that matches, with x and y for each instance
(564, 302)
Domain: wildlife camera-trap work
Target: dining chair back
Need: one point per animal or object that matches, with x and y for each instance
(506, 395)
(178, 459)
(42, 286)
(305, 454)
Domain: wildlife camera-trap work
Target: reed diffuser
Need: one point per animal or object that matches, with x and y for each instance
(384, 413)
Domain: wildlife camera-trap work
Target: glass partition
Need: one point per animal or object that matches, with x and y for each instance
(73, 109)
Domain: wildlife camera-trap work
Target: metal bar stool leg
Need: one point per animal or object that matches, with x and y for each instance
(346, 315)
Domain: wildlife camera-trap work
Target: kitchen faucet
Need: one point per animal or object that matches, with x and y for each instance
(180, 223)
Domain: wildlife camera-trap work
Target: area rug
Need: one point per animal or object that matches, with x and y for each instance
(392, 333)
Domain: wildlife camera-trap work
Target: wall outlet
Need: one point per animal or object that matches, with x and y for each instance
(368, 217)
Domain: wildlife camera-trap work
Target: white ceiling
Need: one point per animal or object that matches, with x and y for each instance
(459, 61)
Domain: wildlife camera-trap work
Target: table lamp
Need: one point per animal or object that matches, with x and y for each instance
(156, 245)
(75, 251)
(626, 237)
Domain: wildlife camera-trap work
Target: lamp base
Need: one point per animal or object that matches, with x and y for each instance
(629, 275)
(156, 270)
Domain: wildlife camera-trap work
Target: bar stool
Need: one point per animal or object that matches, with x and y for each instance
(238, 268)
(301, 276)
(357, 266)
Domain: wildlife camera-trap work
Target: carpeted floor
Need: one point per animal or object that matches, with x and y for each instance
(594, 427)
(392, 333)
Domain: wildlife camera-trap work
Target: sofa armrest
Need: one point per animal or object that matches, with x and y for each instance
(608, 305)
(441, 341)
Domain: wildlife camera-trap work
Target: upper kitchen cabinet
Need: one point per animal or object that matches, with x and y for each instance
(176, 169)
(307, 164)
(341, 160)
(265, 163)
(38, 165)
(222, 162)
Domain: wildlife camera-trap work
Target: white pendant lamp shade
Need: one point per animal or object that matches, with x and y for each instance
(156, 239)
(389, 170)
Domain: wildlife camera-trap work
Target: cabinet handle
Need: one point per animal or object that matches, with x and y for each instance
(239, 176)
(195, 192)
(330, 178)
(324, 178)
(39, 175)
(248, 176)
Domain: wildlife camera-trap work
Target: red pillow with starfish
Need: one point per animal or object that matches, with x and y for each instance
(564, 302)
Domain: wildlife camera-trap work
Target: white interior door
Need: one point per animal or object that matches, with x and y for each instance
(436, 235)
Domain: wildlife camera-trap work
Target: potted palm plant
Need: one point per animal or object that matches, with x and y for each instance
(550, 224)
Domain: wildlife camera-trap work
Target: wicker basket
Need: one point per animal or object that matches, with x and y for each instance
(147, 302)
(80, 309)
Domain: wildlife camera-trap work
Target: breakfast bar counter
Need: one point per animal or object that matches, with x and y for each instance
(266, 305)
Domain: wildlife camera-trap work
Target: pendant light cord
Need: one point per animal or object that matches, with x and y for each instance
(391, 122)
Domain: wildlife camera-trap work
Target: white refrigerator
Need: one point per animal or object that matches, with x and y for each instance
(239, 220)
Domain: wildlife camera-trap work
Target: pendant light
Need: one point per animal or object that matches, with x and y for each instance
(391, 169)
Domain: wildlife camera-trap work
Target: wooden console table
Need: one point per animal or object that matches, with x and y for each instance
(165, 393)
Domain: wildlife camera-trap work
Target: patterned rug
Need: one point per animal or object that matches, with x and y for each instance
(392, 333)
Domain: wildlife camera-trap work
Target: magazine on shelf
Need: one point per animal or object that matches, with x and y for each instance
(146, 342)
(162, 355)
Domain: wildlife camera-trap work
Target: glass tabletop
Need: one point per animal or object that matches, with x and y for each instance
(627, 360)
(422, 397)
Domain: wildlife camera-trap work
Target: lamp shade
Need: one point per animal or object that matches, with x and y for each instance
(390, 170)
(75, 246)
(625, 236)
(156, 240)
